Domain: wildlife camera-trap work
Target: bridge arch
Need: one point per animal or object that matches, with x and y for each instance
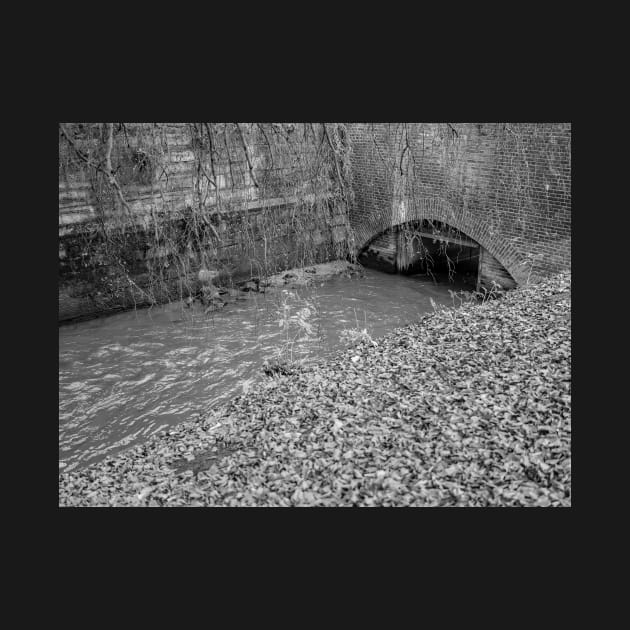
(469, 223)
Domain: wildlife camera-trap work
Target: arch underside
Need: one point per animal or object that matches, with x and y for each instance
(498, 252)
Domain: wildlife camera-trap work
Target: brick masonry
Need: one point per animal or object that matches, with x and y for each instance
(505, 185)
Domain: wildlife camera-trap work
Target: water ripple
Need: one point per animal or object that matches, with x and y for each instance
(113, 394)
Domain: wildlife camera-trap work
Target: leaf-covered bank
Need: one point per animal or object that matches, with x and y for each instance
(467, 407)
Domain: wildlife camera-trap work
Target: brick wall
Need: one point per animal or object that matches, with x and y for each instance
(505, 185)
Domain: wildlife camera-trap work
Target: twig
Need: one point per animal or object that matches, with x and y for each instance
(246, 150)
(107, 170)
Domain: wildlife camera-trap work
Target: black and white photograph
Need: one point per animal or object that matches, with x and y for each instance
(314, 314)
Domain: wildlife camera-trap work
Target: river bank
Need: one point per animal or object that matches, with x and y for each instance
(467, 407)
(124, 378)
(214, 296)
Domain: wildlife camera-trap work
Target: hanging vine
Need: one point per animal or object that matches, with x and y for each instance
(167, 201)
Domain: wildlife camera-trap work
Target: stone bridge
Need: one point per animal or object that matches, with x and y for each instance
(507, 188)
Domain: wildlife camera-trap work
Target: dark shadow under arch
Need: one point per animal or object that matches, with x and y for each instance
(429, 245)
(437, 210)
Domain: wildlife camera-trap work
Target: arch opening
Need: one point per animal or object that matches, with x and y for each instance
(437, 250)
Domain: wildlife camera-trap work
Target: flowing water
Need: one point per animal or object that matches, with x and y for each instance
(125, 377)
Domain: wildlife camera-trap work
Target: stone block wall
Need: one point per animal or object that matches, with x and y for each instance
(259, 197)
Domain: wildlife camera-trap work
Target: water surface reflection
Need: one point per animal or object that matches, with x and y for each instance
(127, 376)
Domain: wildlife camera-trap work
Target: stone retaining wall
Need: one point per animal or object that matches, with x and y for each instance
(272, 206)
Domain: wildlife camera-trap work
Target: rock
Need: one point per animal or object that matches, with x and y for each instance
(206, 276)
(209, 293)
(250, 285)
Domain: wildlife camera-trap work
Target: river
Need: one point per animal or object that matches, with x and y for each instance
(125, 377)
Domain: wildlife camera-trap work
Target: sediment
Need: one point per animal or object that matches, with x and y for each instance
(467, 407)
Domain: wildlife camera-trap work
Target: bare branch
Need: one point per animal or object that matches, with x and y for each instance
(246, 150)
